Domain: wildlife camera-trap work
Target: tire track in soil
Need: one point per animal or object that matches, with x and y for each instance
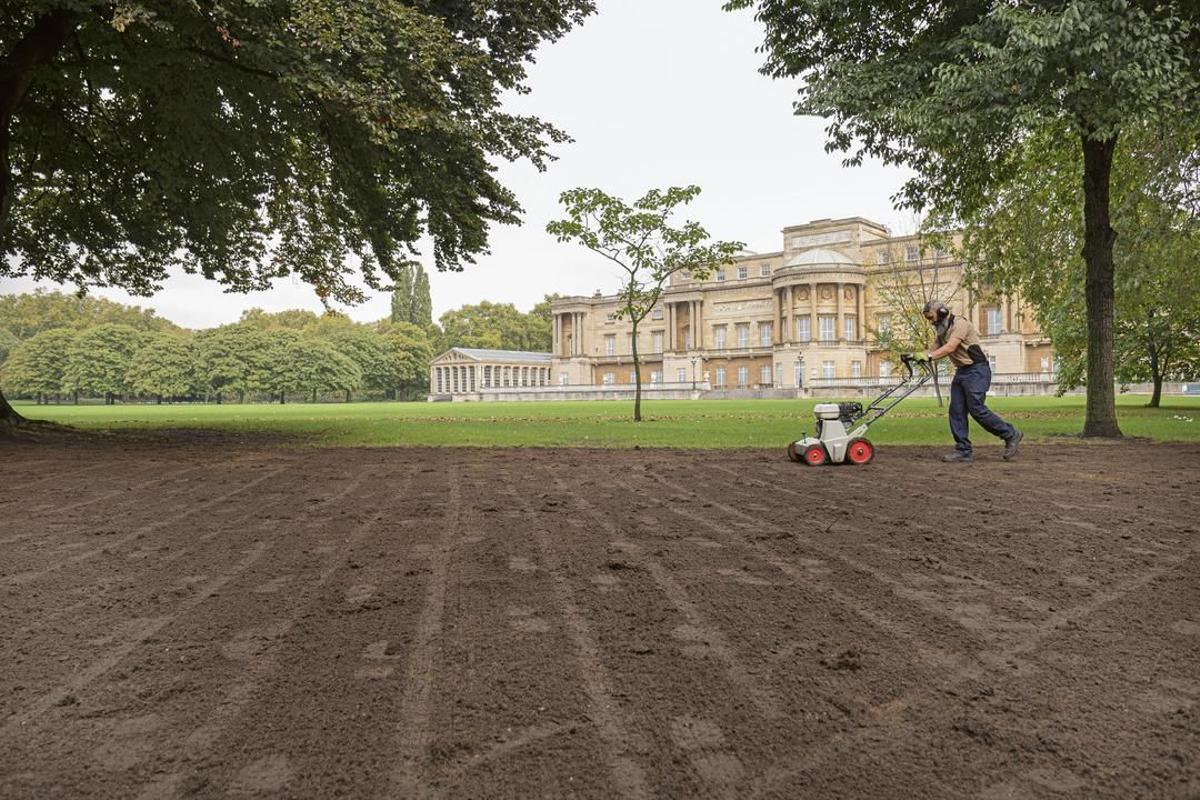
(135, 501)
(512, 721)
(159, 582)
(261, 652)
(995, 666)
(1047, 610)
(949, 571)
(827, 702)
(138, 636)
(410, 776)
(23, 578)
(620, 744)
(735, 672)
(62, 477)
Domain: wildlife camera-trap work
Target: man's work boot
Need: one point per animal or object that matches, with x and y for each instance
(1011, 444)
(963, 456)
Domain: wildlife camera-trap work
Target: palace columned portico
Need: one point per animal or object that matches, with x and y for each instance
(465, 370)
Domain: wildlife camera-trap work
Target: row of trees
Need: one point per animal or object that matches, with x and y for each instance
(241, 360)
(54, 345)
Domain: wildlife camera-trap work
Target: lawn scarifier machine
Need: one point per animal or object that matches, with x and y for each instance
(842, 427)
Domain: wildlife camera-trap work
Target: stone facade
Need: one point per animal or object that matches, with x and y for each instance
(466, 371)
(799, 317)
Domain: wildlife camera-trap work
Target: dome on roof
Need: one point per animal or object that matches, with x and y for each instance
(819, 255)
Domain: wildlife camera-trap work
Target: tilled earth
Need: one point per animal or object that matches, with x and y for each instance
(208, 620)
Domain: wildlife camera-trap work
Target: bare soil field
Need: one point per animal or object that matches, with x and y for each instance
(207, 619)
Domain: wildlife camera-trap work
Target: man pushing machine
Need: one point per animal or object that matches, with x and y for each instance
(958, 340)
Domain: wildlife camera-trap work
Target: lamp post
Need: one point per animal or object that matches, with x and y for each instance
(694, 360)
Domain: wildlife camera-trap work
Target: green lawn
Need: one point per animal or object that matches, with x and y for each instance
(668, 423)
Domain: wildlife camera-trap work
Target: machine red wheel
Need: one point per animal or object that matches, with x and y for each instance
(860, 451)
(793, 455)
(815, 456)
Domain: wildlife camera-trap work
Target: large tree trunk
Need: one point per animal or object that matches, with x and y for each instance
(9, 418)
(1098, 239)
(1156, 395)
(637, 379)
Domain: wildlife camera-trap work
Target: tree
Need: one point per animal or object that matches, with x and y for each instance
(292, 319)
(408, 353)
(99, 359)
(955, 90)
(37, 364)
(8, 342)
(1026, 239)
(495, 326)
(233, 358)
(639, 240)
(368, 352)
(905, 287)
(541, 319)
(165, 366)
(422, 302)
(248, 140)
(28, 314)
(302, 364)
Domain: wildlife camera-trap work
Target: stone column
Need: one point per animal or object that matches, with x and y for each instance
(840, 325)
(860, 293)
(556, 348)
(812, 312)
(788, 319)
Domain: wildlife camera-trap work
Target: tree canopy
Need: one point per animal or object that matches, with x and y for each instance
(254, 139)
(955, 90)
(639, 238)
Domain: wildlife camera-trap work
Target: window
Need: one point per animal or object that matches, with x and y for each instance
(743, 273)
(719, 337)
(612, 318)
(562, 379)
(1045, 364)
(993, 321)
(799, 374)
(883, 323)
(610, 345)
(912, 253)
(633, 377)
(855, 369)
(721, 377)
(656, 376)
(656, 314)
(803, 329)
(939, 253)
(657, 341)
(881, 257)
(610, 378)
(687, 274)
(765, 334)
(827, 327)
(764, 375)
(720, 274)
(687, 338)
(885, 369)
(743, 334)
(827, 370)
(850, 325)
(764, 270)
(743, 377)
(681, 375)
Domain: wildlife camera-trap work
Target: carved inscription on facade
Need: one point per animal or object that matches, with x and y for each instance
(742, 307)
(812, 240)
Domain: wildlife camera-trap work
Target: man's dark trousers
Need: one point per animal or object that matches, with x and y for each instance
(968, 391)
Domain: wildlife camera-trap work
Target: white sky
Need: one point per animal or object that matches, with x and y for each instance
(655, 93)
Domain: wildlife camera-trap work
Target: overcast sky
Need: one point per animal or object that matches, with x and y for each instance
(655, 94)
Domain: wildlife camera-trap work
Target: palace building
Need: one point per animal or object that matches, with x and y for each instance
(812, 313)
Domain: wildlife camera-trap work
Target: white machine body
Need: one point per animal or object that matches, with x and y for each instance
(831, 432)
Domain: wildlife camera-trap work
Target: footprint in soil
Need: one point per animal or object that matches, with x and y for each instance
(847, 660)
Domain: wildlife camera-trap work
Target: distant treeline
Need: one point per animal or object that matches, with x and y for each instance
(56, 347)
